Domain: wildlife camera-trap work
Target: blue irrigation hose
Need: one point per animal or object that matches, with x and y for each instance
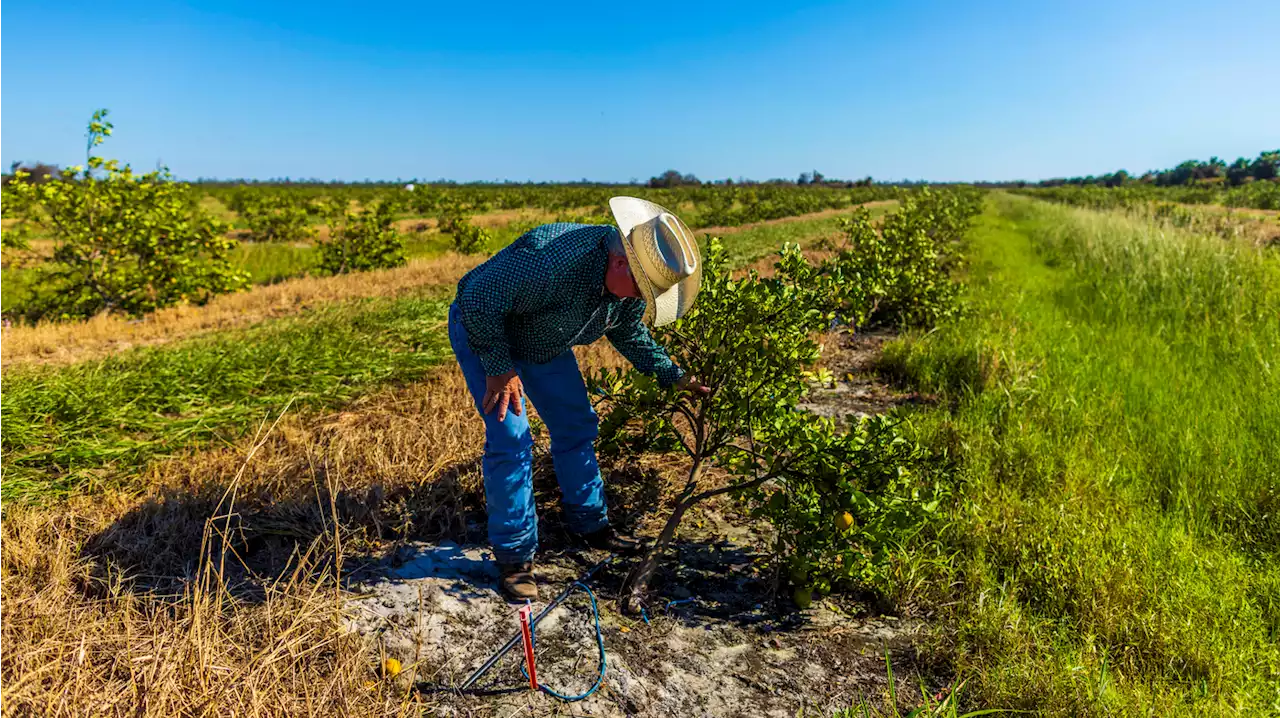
(595, 610)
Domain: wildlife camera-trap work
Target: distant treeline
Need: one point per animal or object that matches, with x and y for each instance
(666, 180)
(43, 171)
(1266, 166)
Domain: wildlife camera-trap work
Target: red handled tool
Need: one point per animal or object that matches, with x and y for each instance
(526, 632)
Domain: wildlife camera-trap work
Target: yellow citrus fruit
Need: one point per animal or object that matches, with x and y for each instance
(803, 597)
(391, 667)
(844, 521)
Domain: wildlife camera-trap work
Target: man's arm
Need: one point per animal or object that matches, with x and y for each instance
(512, 282)
(631, 338)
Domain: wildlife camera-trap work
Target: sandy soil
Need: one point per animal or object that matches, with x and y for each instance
(856, 390)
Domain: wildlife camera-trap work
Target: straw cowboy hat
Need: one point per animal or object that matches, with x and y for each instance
(663, 256)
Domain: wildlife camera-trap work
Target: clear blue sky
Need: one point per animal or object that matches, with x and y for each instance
(617, 90)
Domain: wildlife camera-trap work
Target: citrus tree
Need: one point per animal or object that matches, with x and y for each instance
(15, 237)
(467, 237)
(900, 273)
(274, 216)
(841, 498)
(363, 240)
(752, 341)
(123, 242)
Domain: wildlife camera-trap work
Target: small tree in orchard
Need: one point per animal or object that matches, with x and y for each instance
(123, 242)
(360, 241)
(14, 237)
(841, 500)
(274, 216)
(900, 272)
(751, 341)
(467, 237)
(425, 200)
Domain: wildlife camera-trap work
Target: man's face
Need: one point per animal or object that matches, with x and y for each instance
(618, 279)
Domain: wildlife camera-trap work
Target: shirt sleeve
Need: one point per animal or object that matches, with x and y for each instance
(632, 339)
(512, 282)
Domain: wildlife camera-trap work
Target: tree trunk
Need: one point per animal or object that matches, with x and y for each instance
(636, 585)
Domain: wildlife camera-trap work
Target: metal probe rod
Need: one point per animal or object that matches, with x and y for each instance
(532, 625)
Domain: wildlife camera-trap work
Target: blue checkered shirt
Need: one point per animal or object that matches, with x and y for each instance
(545, 293)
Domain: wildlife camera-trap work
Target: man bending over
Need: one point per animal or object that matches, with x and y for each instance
(513, 325)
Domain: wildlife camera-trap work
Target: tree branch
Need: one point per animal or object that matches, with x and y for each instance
(732, 487)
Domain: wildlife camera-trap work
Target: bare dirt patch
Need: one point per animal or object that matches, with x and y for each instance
(716, 642)
(855, 389)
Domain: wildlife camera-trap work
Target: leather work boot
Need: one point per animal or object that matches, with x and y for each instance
(515, 581)
(606, 539)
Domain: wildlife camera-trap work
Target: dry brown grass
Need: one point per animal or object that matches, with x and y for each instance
(79, 642)
(66, 342)
(115, 607)
(209, 588)
(184, 604)
(496, 219)
(1261, 227)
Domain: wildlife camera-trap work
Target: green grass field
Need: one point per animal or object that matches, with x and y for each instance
(70, 429)
(1113, 399)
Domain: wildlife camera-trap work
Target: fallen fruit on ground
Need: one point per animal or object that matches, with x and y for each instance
(391, 667)
(803, 597)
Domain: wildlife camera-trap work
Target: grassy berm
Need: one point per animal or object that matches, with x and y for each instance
(1114, 399)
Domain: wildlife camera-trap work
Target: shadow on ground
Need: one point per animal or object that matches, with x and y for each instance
(255, 536)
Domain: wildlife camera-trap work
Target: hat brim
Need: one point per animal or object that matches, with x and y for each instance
(660, 307)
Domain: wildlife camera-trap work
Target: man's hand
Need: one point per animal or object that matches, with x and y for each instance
(502, 391)
(691, 385)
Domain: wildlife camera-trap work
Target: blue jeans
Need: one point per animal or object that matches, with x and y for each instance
(557, 390)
